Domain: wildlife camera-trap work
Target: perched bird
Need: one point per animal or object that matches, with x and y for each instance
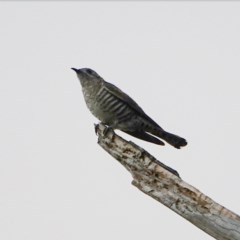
(117, 110)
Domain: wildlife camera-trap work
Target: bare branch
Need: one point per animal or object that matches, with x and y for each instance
(163, 184)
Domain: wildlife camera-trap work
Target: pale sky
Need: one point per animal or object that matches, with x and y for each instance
(178, 60)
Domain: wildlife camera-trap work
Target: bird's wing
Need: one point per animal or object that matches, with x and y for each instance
(131, 103)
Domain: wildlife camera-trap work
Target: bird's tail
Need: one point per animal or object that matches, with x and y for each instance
(172, 139)
(145, 136)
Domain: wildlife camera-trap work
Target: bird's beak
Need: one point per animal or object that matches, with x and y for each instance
(76, 70)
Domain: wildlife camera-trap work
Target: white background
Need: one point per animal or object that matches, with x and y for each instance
(180, 62)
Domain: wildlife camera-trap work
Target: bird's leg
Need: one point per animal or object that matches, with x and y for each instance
(107, 130)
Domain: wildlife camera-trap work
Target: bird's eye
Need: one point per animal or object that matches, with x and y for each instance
(89, 71)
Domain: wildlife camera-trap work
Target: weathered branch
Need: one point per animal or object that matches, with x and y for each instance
(163, 184)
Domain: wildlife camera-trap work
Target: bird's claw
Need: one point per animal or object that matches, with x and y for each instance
(107, 129)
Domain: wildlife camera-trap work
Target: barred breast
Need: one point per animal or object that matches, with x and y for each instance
(112, 111)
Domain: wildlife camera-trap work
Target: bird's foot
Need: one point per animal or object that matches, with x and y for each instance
(107, 130)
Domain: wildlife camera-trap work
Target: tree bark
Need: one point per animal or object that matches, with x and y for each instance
(164, 185)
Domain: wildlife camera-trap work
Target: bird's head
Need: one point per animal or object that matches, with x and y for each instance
(86, 74)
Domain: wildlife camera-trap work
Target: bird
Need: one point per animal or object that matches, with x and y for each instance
(117, 110)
